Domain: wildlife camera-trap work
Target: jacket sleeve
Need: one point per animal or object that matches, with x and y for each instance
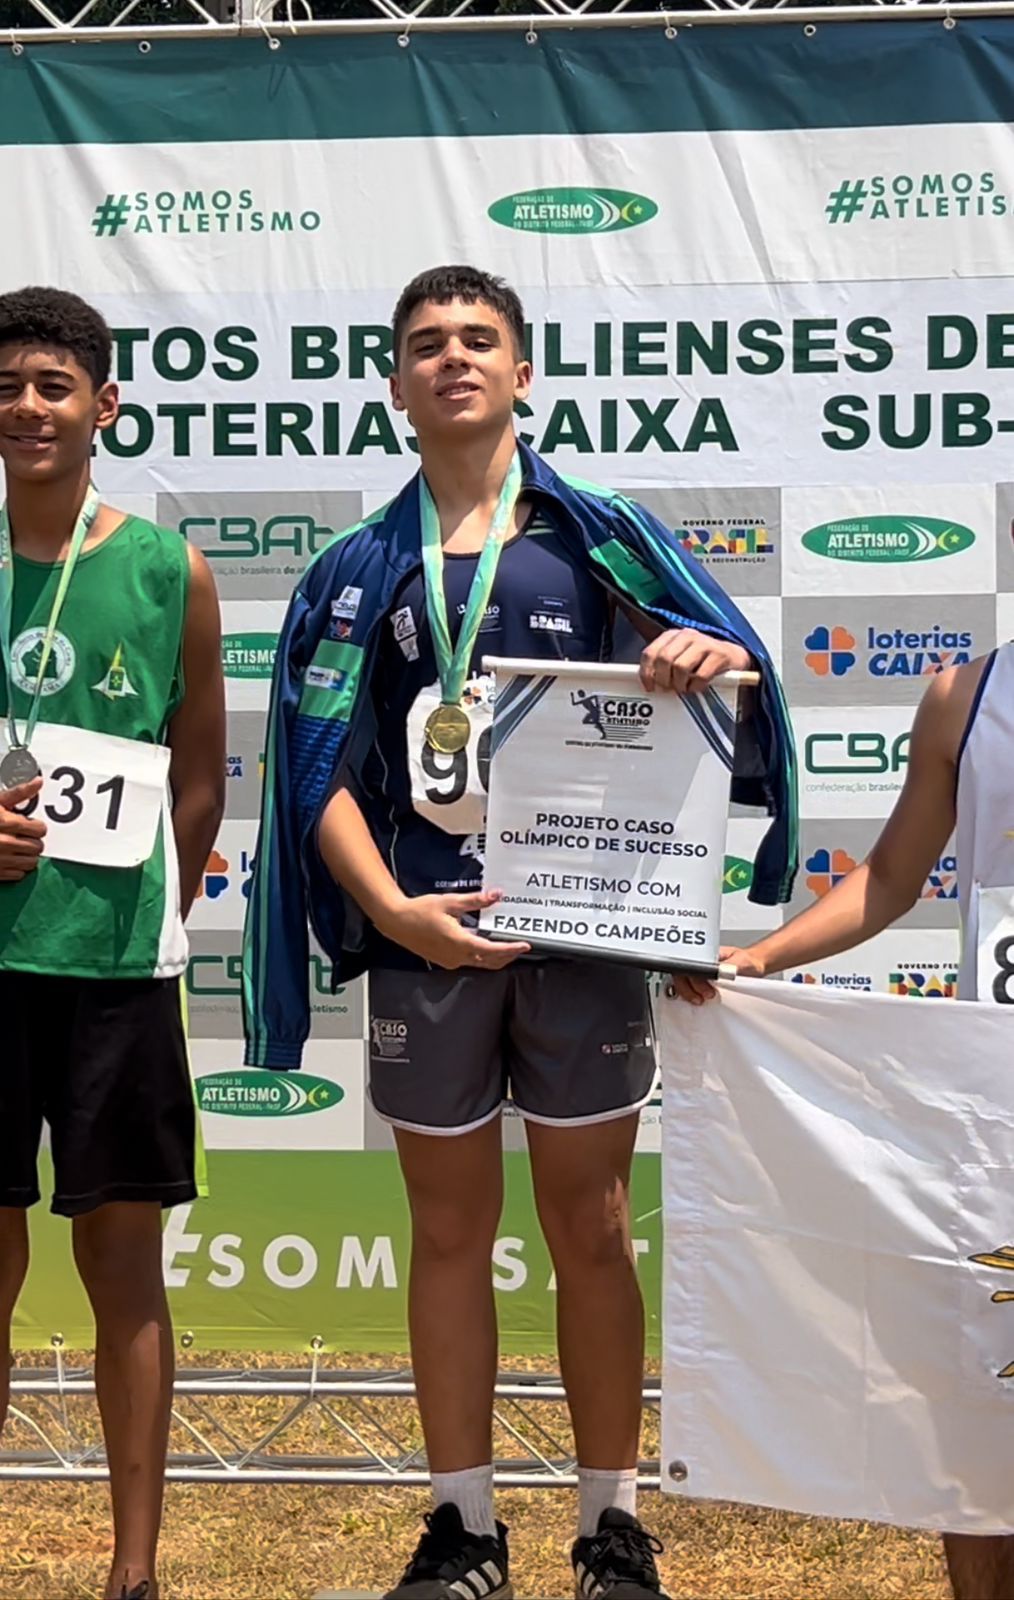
(673, 587)
(276, 1009)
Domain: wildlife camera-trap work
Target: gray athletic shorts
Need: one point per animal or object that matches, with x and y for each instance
(569, 1042)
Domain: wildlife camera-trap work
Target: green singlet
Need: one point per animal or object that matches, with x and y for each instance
(115, 668)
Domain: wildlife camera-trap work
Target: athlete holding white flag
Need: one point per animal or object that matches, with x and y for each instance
(960, 772)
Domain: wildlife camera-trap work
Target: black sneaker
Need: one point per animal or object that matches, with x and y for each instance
(452, 1564)
(138, 1592)
(618, 1562)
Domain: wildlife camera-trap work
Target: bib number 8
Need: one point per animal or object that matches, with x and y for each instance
(70, 804)
(1004, 971)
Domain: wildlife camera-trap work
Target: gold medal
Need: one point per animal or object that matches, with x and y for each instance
(447, 730)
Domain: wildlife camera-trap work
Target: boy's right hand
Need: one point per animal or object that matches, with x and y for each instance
(429, 925)
(685, 986)
(20, 837)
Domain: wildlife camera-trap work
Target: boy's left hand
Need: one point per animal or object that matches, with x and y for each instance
(686, 661)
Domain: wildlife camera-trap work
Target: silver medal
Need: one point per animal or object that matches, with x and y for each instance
(18, 766)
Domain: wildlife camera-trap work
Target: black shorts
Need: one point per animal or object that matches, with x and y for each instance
(569, 1042)
(104, 1063)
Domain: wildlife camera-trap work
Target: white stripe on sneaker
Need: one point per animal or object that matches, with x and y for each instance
(482, 1583)
(587, 1586)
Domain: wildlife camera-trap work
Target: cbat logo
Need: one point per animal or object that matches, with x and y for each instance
(1003, 1259)
(616, 721)
(855, 753)
(737, 875)
(573, 210)
(881, 539)
(245, 539)
(942, 883)
(825, 868)
(220, 975)
(26, 659)
(925, 985)
(266, 1094)
(888, 652)
(217, 876)
(249, 655)
(214, 974)
(727, 543)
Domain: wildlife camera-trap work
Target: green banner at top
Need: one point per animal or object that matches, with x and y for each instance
(610, 80)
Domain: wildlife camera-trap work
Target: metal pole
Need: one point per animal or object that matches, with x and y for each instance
(252, 25)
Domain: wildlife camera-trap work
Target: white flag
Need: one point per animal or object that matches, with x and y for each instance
(838, 1177)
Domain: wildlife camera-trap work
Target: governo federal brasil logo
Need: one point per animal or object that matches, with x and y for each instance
(573, 210)
(888, 539)
(266, 1094)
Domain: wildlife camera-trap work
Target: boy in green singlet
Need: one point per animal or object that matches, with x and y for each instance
(112, 764)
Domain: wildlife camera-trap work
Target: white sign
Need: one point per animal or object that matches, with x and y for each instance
(838, 1186)
(102, 797)
(607, 812)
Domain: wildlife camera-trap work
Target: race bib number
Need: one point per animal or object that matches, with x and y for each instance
(995, 956)
(451, 790)
(101, 797)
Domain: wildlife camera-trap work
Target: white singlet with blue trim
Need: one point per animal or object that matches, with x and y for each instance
(985, 805)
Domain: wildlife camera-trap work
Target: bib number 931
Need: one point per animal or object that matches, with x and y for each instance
(102, 797)
(72, 793)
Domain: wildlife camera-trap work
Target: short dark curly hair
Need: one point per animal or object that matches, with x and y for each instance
(441, 285)
(61, 320)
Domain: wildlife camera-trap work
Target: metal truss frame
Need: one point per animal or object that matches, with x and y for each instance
(276, 20)
(313, 1425)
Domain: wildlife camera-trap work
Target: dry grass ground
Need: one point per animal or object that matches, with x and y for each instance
(284, 1543)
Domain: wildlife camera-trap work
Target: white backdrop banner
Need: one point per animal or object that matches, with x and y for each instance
(766, 298)
(838, 1176)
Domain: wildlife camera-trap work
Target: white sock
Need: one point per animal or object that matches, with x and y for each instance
(601, 1491)
(472, 1492)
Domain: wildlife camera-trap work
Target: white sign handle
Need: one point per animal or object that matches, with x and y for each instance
(620, 670)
